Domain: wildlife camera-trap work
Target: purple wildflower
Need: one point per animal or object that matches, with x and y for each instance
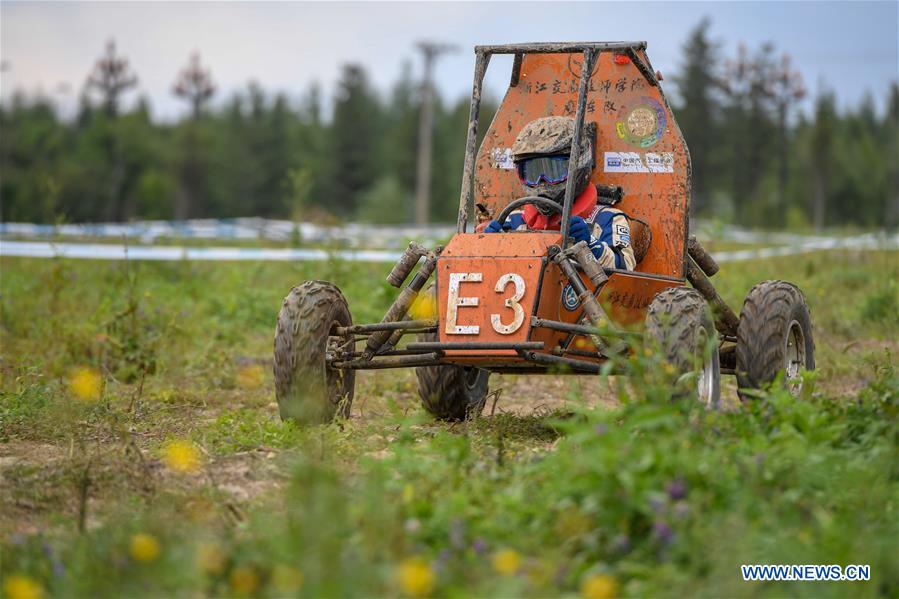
(663, 532)
(677, 489)
(479, 546)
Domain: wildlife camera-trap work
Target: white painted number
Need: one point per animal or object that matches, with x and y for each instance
(454, 302)
(512, 302)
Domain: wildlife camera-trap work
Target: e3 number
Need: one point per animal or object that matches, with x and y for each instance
(455, 301)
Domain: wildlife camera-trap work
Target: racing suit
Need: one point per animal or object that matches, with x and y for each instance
(605, 229)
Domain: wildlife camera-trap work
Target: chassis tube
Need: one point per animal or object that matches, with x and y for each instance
(430, 359)
(586, 73)
(400, 306)
(725, 320)
(466, 201)
(595, 314)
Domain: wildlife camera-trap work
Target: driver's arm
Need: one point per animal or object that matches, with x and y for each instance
(610, 240)
(515, 222)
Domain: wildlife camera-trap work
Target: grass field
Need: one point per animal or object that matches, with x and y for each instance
(141, 453)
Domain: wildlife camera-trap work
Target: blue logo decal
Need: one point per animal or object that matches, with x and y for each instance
(613, 161)
(569, 298)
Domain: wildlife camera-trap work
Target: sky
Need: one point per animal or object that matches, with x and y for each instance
(49, 47)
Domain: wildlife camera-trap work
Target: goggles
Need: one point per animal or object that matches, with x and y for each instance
(551, 169)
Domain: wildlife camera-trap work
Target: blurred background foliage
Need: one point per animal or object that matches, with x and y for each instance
(757, 158)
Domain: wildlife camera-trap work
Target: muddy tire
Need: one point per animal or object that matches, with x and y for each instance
(308, 391)
(775, 335)
(680, 323)
(451, 392)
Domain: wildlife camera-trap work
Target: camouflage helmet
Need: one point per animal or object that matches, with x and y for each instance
(553, 135)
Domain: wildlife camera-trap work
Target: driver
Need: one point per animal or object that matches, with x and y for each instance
(540, 154)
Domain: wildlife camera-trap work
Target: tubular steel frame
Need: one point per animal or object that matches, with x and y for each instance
(591, 51)
(381, 338)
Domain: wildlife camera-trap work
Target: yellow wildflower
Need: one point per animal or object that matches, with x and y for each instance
(416, 577)
(250, 377)
(668, 367)
(86, 383)
(244, 580)
(144, 547)
(286, 579)
(210, 559)
(182, 456)
(424, 307)
(599, 586)
(506, 562)
(572, 524)
(22, 587)
(408, 493)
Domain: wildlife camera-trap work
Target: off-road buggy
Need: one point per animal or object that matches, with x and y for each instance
(534, 302)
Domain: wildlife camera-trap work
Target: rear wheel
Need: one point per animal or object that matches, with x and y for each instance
(681, 325)
(451, 392)
(307, 389)
(775, 335)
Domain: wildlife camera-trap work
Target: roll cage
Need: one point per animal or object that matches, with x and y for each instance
(590, 51)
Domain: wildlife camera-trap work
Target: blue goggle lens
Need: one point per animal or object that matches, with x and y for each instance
(551, 169)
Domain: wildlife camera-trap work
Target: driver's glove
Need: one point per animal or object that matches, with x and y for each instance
(493, 227)
(579, 229)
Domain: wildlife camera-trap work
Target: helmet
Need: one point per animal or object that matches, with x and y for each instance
(552, 136)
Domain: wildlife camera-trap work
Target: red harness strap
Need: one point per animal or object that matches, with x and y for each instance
(583, 206)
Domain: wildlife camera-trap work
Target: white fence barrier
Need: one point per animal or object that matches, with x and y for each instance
(349, 234)
(354, 235)
(109, 251)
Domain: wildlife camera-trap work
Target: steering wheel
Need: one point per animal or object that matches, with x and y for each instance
(536, 200)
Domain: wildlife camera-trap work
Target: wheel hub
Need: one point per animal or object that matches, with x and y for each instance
(706, 380)
(794, 356)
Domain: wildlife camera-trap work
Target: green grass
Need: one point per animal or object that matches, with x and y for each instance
(662, 498)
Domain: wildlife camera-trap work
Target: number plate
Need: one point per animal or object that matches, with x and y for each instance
(487, 299)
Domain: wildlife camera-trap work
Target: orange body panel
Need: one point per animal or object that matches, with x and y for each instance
(625, 298)
(484, 265)
(488, 261)
(638, 145)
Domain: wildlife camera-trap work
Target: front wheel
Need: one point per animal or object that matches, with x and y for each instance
(308, 390)
(452, 392)
(775, 334)
(680, 323)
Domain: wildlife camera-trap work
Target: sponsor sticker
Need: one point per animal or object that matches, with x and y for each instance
(624, 235)
(569, 298)
(502, 158)
(634, 162)
(641, 123)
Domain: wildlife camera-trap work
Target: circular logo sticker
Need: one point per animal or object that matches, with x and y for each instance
(641, 123)
(569, 298)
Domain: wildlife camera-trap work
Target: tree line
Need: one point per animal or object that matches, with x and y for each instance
(757, 158)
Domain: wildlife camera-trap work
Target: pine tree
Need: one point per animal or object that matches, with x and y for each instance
(891, 129)
(194, 84)
(787, 90)
(823, 137)
(354, 160)
(698, 113)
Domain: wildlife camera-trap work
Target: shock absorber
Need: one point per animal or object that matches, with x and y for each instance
(594, 311)
(401, 304)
